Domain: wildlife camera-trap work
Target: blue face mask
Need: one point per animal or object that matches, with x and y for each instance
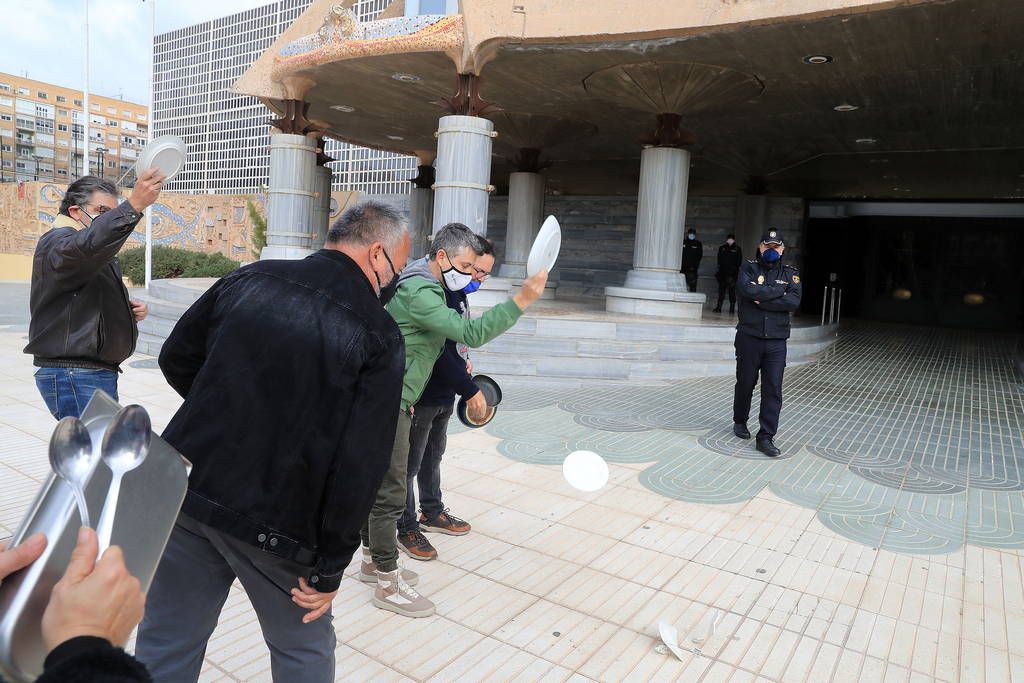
(471, 287)
(771, 256)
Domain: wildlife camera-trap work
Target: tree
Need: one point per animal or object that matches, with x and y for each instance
(259, 229)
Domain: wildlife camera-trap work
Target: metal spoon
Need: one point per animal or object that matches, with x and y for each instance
(71, 459)
(125, 447)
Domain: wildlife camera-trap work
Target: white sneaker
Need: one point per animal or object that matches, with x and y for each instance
(395, 595)
(368, 571)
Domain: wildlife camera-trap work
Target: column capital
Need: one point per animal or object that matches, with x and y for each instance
(669, 133)
(293, 118)
(528, 160)
(467, 100)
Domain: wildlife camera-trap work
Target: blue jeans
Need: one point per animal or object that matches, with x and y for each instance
(67, 391)
(428, 438)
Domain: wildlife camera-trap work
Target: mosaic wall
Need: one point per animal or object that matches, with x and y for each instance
(201, 222)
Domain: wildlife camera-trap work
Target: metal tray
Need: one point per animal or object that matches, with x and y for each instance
(150, 500)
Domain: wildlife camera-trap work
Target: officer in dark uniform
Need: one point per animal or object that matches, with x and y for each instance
(729, 259)
(768, 292)
(693, 252)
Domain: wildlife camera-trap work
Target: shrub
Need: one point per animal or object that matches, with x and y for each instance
(170, 262)
(259, 229)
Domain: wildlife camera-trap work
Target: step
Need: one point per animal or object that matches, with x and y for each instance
(185, 291)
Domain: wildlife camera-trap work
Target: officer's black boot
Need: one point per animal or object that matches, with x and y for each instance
(740, 430)
(768, 447)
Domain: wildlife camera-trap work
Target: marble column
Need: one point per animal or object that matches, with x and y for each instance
(463, 167)
(655, 286)
(322, 206)
(525, 214)
(751, 222)
(421, 211)
(290, 199)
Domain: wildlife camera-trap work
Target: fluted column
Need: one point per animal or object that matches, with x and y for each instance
(462, 188)
(290, 198)
(660, 213)
(525, 214)
(421, 210)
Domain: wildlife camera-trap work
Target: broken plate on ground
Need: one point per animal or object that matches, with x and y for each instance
(670, 637)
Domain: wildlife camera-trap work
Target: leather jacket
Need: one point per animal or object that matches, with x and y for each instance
(81, 315)
(291, 373)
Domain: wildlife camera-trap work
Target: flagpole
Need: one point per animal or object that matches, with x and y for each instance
(149, 141)
(85, 98)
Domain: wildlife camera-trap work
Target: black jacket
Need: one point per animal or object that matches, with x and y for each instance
(449, 376)
(292, 377)
(693, 252)
(778, 290)
(729, 260)
(86, 659)
(81, 316)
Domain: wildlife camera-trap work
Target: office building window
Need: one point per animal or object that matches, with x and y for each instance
(42, 95)
(61, 99)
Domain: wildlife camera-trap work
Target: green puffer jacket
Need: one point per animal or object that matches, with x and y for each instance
(425, 320)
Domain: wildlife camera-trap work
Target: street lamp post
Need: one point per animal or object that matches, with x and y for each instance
(100, 151)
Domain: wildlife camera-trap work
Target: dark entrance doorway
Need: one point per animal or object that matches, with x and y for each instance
(948, 272)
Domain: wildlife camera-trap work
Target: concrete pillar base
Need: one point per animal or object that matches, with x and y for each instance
(277, 252)
(659, 280)
(649, 302)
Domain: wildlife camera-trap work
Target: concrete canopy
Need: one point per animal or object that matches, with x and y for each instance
(934, 88)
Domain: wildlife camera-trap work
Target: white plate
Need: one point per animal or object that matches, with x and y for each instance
(670, 636)
(166, 153)
(545, 248)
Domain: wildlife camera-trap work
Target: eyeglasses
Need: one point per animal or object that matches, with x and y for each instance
(481, 273)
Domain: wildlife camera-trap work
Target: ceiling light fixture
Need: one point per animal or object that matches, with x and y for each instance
(405, 78)
(817, 59)
(846, 107)
(866, 141)
(395, 137)
(343, 107)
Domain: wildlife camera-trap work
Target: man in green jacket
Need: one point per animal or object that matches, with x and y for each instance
(425, 320)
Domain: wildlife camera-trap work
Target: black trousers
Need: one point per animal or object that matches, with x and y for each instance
(691, 279)
(767, 358)
(727, 284)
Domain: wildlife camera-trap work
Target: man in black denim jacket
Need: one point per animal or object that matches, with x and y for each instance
(292, 378)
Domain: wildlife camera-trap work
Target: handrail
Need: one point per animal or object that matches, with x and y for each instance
(831, 305)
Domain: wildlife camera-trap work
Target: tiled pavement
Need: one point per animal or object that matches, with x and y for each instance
(885, 546)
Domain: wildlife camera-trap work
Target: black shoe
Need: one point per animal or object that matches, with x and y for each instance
(768, 447)
(717, 309)
(740, 430)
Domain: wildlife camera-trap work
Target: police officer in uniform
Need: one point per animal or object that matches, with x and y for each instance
(730, 257)
(768, 292)
(693, 252)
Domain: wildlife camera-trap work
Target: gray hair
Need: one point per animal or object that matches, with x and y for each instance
(79, 193)
(453, 238)
(366, 223)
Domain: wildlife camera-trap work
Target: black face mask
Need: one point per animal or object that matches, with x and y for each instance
(387, 292)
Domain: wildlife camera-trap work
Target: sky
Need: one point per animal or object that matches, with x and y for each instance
(46, 39)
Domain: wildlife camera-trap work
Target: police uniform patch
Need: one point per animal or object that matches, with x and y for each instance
(760, 279)
(796, 279)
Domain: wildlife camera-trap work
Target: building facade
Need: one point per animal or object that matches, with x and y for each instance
(227, 134)
(42, 132)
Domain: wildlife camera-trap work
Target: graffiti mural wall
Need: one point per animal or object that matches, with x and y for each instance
(206, 223)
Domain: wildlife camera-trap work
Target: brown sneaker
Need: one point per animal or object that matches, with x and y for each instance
(397, 596)
(368, 571)
(416, 546)
(445, 523)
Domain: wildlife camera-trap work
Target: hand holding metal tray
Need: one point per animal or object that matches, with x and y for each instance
(140, 518)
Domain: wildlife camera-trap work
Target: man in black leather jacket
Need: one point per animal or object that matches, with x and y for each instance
(768, 291)
(291, 373)
(83, 324)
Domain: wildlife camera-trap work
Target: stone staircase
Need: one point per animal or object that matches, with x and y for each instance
(559, 341)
